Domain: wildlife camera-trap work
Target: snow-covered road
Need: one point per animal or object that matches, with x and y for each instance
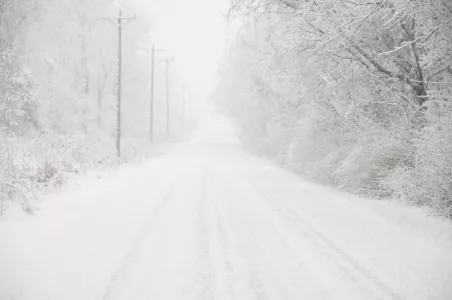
(209, 221)
(234, 227)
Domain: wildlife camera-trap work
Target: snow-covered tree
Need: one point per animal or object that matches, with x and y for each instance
(58, 86)
(352, 93)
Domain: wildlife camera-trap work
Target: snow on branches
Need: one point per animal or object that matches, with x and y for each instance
(351, 93)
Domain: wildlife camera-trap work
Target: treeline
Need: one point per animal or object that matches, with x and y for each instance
(58, 84)
(354, 94)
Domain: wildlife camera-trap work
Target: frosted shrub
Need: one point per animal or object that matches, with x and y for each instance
(16, 190)
(309, 151)
(29, 164)
(432, 176)
(393, 165)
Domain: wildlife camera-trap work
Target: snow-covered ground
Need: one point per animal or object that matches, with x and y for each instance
(209, 221)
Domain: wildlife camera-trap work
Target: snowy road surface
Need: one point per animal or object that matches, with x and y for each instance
(230, 228)
(209, 221)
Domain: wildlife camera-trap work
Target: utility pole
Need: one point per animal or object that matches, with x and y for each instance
(119, 24)
(182, 115)
(151, 120)
(151, 112)
(168, 124)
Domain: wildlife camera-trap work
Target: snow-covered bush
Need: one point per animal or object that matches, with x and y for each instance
(30, 165)
(431, 178)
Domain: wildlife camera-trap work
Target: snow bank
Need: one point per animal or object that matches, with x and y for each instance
(89, 228)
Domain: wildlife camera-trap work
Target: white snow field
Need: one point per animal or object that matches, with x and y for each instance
(210, 221)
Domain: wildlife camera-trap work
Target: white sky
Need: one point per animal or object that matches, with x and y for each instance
(194, 32)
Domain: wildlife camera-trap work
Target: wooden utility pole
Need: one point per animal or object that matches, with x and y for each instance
(119, 24)
(182, 114)
(119, 92)
(168, 123)
(151, 112)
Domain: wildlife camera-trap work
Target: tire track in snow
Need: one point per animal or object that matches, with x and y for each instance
(238, 276)
(217, 259)
(357, 272)
(223, 265)
(225, 251)
(246, 244)
(373, 286)
(135, 247)
(228, 272)
(214, 261)
(205, 285)
(267, 255)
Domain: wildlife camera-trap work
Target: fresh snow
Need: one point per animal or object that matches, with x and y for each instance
(210, 221)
